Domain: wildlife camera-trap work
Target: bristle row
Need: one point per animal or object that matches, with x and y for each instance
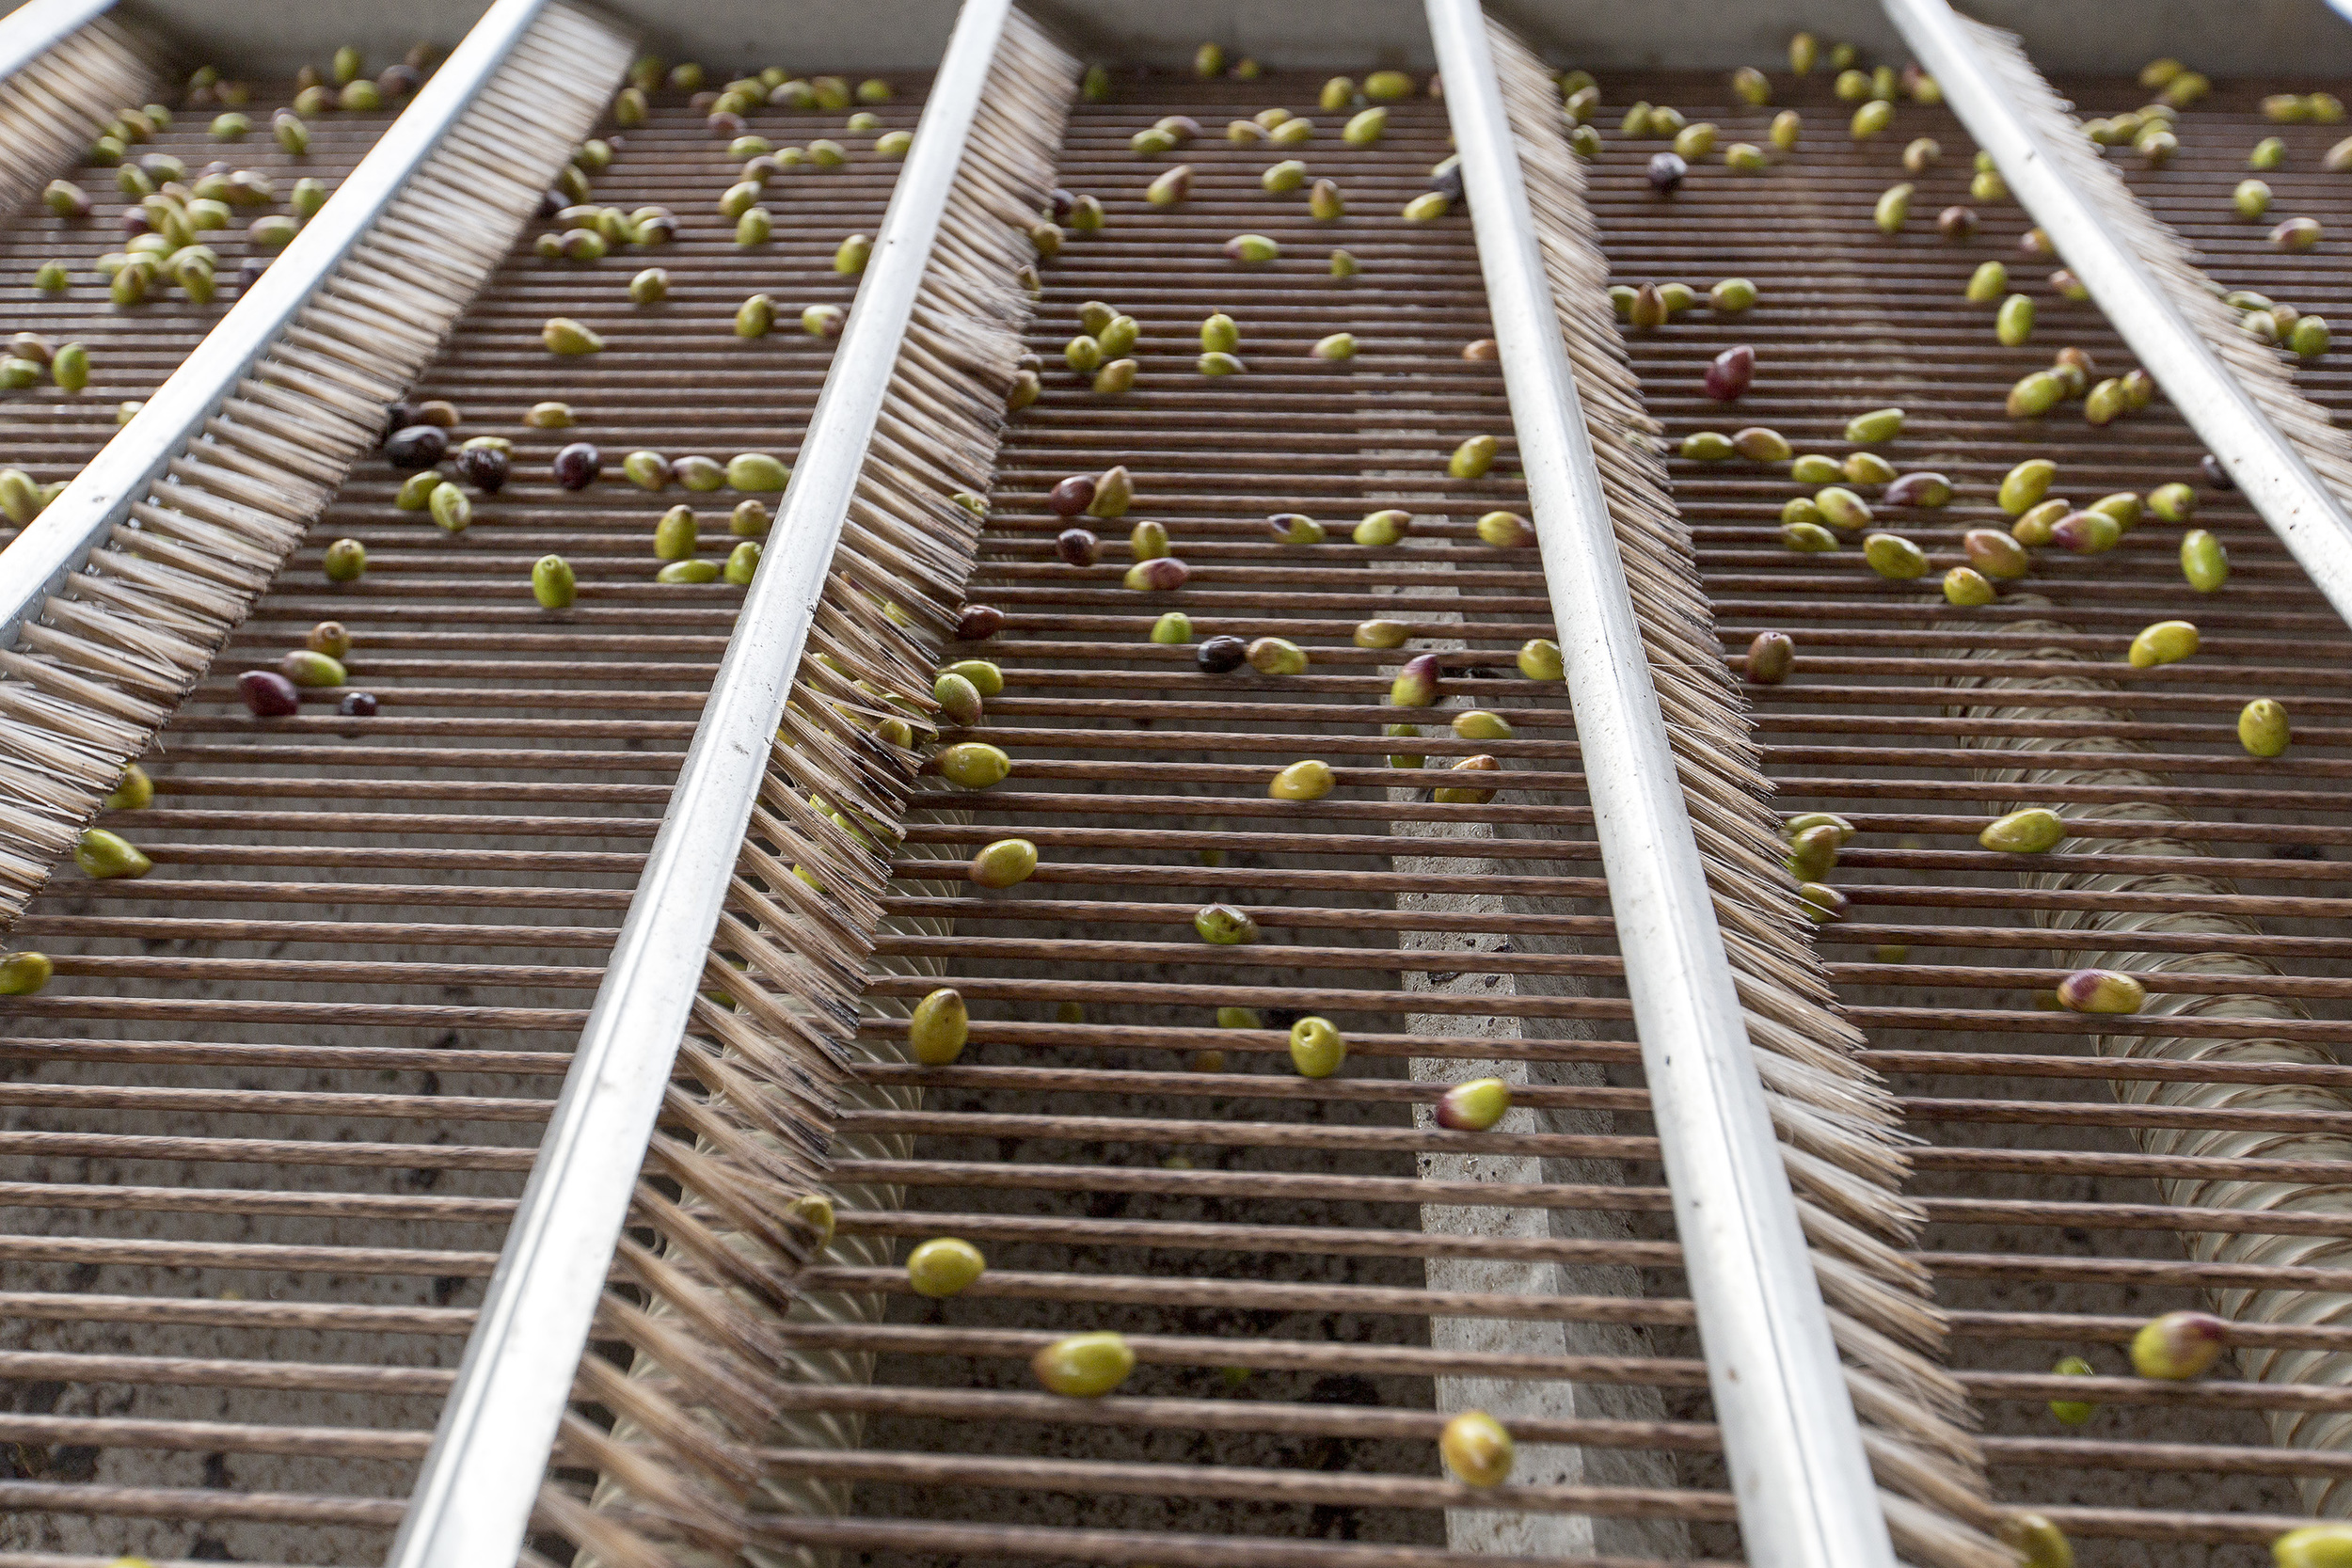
(1841, 1143)
(2255, 366)
(2328, 450)
(56, 105)
(2108, 764)
(676, 1480)
(103, 664)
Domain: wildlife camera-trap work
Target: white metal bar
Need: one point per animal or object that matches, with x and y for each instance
(28, 32)
(1805, 1495)
(2305, 514)
(483, 1474)
(54, 545)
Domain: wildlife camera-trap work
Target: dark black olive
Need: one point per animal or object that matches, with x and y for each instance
(484, 467)
(1221, 655)
(1666, 171)
(577, 465)
(359, 704)
(416, 446)
(1064, 204)
(2215, 475)
(1078, 545)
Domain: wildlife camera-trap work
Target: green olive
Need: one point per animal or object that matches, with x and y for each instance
(1005, 863)
(2173, 503)
(2328, 1545)
(1317, 1047)
(1474, 458)
(136, 790)
(1310, 780)
(2039, 1544)
(944, 1266)
(2178, 1346)
(25, 974)
(1224, 924)
(1967, 586)
(1477, 1449)
(552, 583)
(1084, 1366)
(105, 855)
(2013, 324)
(2163, 642)
(2030, 832)
(939, 1027)
(2023, 486)
(972, 765)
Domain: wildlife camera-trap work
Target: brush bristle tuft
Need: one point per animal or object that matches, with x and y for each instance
(1842, 1145)
(677, 1481)
(102, 664)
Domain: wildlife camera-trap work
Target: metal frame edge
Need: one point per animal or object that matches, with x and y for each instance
(53, 545)
(475, 1492)
(2309, 517)
(32, 30)
(1799, 1472)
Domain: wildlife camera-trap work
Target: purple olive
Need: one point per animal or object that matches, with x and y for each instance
(1064, 204)
(1665, 173)
(416, 446)
(1730, 373)
(577, 465)
(2215, 475)
(269, 694)
(553, 202)
(484, 467)
(1078, 545)
(979, 623)
(727, 125)
(1161, 575)
(1923, 489)
(358, 704)
(1072, 496)
(1221, 655)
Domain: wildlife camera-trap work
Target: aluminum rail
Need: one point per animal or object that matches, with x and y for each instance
(54, 545)
(29, 31)
(481, 1476)
(1802, 1482)
(2305, 514)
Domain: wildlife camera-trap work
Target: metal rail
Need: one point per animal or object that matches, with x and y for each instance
(55, 544)
(2307, 516)
(1794, 1446)
(474, 1498)
(29, 31)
